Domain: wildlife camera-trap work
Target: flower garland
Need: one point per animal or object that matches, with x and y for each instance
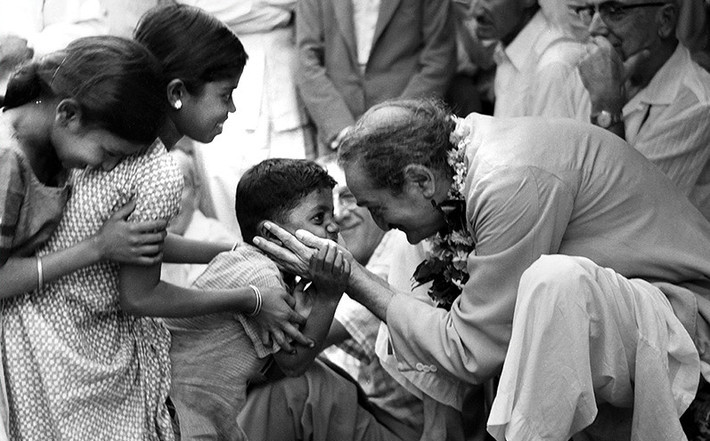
(446, 260)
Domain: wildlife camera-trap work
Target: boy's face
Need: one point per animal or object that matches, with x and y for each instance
(314, 214)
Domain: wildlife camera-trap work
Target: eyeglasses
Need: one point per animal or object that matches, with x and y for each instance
(345, 201)
(610, 12)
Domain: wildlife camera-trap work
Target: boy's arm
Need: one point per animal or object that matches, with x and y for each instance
(321, 306)
(330, 271)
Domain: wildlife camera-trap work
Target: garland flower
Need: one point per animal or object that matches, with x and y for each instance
(447, 255)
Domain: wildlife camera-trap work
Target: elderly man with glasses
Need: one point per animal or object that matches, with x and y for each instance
(645, 87)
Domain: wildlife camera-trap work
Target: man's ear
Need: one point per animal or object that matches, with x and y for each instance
(420, 178)
(68, 114)
(667, 19)
(176, 92)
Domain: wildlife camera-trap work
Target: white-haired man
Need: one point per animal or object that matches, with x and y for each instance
(645, 87)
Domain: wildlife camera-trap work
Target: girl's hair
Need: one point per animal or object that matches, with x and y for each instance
(115, 81)
(272, 188)
(191, 45)
(419, 135)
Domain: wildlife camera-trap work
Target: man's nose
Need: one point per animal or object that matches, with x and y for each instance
(597, 25)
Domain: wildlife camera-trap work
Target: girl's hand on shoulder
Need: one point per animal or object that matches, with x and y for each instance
(330, 269)
(136, 243)
(279, 321)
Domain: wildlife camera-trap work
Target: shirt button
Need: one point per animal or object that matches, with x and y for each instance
(419, 366)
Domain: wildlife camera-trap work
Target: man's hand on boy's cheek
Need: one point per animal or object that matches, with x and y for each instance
(283, 248)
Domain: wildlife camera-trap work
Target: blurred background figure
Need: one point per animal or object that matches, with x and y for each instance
(645, 86)
(270, 121)
(356, 53)
(191, 223)
(38, 27)
(536, 72)
(471, 88)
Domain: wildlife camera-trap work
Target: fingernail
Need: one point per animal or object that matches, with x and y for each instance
(257, 241)
(267, 225)
(312, 345)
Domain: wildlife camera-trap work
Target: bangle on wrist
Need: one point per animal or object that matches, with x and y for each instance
(40, 273)
(259, 301)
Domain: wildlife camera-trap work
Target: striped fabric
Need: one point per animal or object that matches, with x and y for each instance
(214, 356)
(667, 121)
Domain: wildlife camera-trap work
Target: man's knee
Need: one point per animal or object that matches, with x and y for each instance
(554, 278)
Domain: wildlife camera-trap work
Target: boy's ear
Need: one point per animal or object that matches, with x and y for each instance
(176, 92)
(68, 114)
(420, 178)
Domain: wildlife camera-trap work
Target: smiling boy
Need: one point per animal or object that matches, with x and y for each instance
(215, 356)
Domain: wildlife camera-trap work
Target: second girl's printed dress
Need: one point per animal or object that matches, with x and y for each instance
(78, 368)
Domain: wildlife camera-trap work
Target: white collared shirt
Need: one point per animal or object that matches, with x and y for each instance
(537, 74)
(365, 14)
(668, 122)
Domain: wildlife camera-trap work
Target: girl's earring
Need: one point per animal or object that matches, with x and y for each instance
(177, 105)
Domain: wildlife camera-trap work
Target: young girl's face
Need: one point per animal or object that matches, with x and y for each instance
(202, 115)
(315, 214)
(92, 146)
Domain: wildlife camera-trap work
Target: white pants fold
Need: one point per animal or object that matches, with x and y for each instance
(591, 346)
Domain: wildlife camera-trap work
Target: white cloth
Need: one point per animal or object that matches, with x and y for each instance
(672, 112)
(365, 13)
(635, 339)
(200, 228)
(358, 357)
(554, 186)
(440, 393)
(49, 25)
(536, 73)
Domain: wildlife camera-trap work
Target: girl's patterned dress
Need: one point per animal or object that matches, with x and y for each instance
(77, 367)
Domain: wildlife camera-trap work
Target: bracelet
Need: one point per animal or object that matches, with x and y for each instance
(40, 273)
(259, 302)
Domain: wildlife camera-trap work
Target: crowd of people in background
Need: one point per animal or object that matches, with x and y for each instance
(355, 220)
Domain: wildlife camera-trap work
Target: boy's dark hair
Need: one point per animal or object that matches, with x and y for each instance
(274, 187)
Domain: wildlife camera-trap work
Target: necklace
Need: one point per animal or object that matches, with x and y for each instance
(446, 259)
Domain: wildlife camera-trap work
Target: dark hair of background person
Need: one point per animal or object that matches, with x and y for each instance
(418, 135)
(274, 187)
(191, 44)
(115, 81)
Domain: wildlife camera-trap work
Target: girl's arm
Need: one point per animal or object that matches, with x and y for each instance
(118, 240)
(181, 250)
(330, 271)
(142, 293)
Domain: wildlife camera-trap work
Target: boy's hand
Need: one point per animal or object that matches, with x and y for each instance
(304, 293)
(279, 321)
(330, 269)
(137, 243)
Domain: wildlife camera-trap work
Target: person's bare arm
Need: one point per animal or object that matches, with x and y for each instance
(143, 294)
(178, 249)
(329, 270)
